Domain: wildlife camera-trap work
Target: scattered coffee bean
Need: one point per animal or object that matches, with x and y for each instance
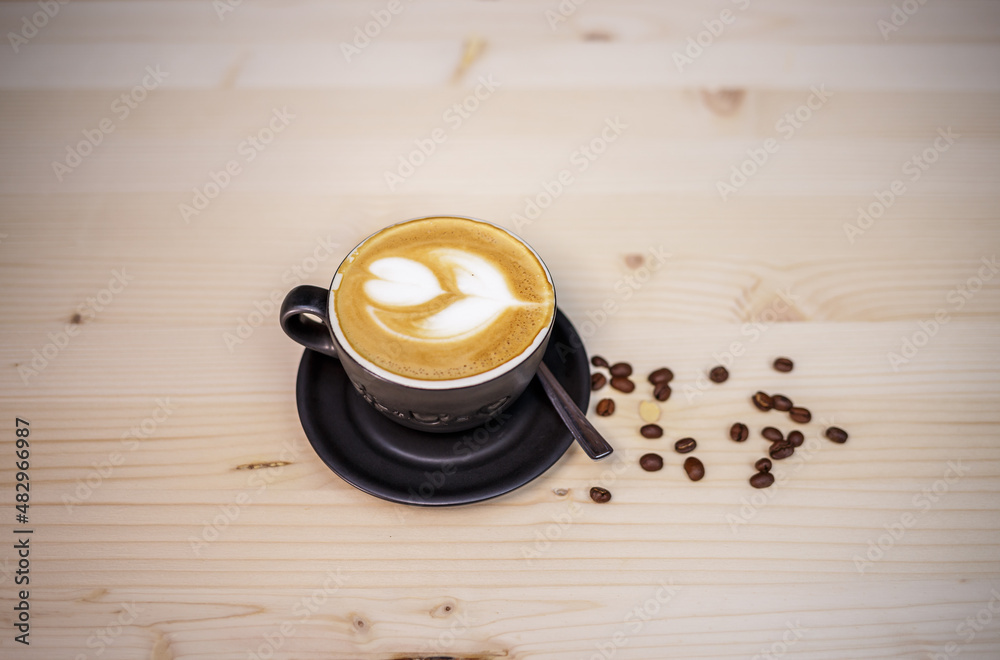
(781, 450)
(597, 381)
(739, 432)
(621, 369)
(605, 407)
(649, 412)
(795, 438)
(694, 468)
(661, 375)
(600, 495)
(837, 434)
(763, 401)
(651, 431)
(662, 392)
(800, 415)
(598, 361)
(651, 462)
(783, 364)
(762, 465)
(622, 384)
(718, 374)
(762, 480)
(685, 445)
(772, 434)
(781, 402)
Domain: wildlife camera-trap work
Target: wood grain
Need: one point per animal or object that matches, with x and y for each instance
(178, 509)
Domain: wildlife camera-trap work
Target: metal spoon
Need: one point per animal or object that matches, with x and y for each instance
(592, 442)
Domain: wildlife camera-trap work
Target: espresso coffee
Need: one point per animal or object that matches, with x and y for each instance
(442, 298)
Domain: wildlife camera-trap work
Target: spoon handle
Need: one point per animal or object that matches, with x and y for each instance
(575, 420)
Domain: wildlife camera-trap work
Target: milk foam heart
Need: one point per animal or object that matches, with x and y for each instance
(442, 298)
(404, 282)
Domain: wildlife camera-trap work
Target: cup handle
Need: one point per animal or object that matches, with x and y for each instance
(308, 299)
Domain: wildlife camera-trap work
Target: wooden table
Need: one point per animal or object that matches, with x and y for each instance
(170, 170)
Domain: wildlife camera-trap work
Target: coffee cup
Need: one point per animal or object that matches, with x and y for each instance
(440, 322)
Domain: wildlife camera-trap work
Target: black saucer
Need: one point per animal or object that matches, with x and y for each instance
(400, 464)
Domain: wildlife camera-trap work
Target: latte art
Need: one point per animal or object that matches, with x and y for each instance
(480, 297)
(442, 298)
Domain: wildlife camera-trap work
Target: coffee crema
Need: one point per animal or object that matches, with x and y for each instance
(442, 298)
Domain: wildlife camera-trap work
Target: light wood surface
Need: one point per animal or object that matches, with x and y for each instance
(177, 509)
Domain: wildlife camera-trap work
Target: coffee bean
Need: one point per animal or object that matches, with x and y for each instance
(762, 401)
(772, 434)
(781, 402)
(600, 495)
(597, 381)
(762, 480)
(783, 364)
(694, 468)
(649, 412)
(598, 361)
(662, 392)
(762, 465)
(795, 438)
(739, 432)
(651, 462)
(651, 431)
(685, 445)
(800, 415)
(661, 375)
(622, 384)
(605, 407)
(837, 434)
(621, 369)
(718, 374)
(781, 450)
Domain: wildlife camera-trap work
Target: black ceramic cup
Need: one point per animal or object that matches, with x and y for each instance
(427, 405)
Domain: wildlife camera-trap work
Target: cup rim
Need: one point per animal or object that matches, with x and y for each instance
(454, 383)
